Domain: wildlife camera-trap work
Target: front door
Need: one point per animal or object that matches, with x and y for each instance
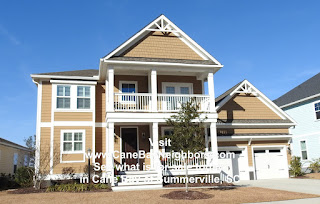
(129, 144)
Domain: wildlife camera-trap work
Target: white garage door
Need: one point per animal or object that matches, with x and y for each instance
(270, 163)
(240, 164)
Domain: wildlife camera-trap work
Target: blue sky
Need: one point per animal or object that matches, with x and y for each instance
(274, 44)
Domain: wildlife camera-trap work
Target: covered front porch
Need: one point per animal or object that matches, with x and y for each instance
(127, 139)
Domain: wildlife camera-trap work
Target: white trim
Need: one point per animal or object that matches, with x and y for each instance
(38, 127)
(53, 105)
(126, 127)
(254, 138)
(67, 123)
(73, 82)
(170, 64)
(93, 122)
(300, 150)
(301, 100)
(252, 89)
(230, 125)
(177, 85)
(73, 152)
(307, 134)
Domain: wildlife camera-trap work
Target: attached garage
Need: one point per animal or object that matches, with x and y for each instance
(270, 162)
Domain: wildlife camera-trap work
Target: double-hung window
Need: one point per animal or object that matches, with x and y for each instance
(63, 96)
(317, 110)
(83, 97)
(303, 146)
(72, 141)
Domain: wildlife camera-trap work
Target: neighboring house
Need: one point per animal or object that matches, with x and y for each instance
(12, 156)
(303, 104)
(138, 86)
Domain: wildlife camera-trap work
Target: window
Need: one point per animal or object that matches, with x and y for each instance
(63, 96)
(26, 160)
(72, 141)
(83, 97)
(166, 132)
(128, 88)
(15, 162)
(303, 146)
(317, 110)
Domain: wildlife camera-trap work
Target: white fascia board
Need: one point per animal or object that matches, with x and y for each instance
(254, 138)
(300, 101)
(73, 82)
(162, 64)
(33, 76)
(254, 124)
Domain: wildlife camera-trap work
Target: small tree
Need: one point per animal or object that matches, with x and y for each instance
(315, 165)
(295, 168)
(188, 131)
(31, 144)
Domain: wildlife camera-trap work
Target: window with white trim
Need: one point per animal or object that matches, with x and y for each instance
(63, 96)
(73, 141)
(317, 110)
(303, 147)
(83, 97)
(26, 160)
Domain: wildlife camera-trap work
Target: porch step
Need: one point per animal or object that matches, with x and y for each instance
(134, 180)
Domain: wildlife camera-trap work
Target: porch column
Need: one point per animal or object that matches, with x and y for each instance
(155, 146)
(110, 89)
(211, 92)
(206, 137)
(154, 90)
(214, 143)
(110, 150)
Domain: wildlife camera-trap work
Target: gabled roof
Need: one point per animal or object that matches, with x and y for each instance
(247, 88)
(305, 91)
(162, 26)
(12, 144)
(84, 72)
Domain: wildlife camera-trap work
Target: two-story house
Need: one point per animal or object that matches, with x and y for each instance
(303, 104)
(123, 108)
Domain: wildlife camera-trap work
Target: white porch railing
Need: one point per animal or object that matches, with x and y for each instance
(165, 102)
(132, 102)
(172, 102)
(171, 162)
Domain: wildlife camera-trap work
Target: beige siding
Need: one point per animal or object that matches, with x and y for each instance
(251, 131)
(73, 116)
(246, 107)
(57, 135)
(101, 143)
(159, 45)
(72, 157)
(142, 82)
(6, 158)
(100, 103)
(46, 102)
(254, 143)
(45, 133)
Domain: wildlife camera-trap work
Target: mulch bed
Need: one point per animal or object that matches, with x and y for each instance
(182, 195)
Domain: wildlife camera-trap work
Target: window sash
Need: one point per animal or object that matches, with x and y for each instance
(83, 97)
(72, 142)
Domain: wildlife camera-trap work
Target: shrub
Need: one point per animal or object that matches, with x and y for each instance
(76, 187)
(24, 176)
(315, 165)
(7, 182)
(295, 169)
(85, 169)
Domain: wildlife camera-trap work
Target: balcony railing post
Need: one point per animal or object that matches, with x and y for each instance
(110, 106)
(154, 91)
(211, 92)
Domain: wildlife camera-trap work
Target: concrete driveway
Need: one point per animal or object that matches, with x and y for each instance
(311, 186)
